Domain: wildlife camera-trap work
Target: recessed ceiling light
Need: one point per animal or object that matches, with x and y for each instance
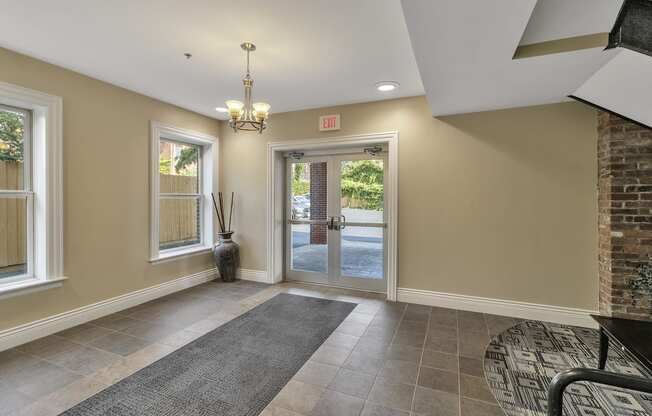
(221, 109)
(387, 86)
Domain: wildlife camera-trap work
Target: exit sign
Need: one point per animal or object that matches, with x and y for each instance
(330, 122)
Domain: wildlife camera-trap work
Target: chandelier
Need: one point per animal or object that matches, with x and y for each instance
(247, 116)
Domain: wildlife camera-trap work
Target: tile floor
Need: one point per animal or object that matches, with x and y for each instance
(385, 359)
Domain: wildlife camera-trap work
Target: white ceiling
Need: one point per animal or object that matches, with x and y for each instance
(464, 51)
(320, 52)
(623, 85)
(559, 19)
(310, 53)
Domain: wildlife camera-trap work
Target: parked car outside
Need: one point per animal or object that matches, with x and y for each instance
(301, 206)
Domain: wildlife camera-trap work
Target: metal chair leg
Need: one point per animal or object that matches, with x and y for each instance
(565, 378)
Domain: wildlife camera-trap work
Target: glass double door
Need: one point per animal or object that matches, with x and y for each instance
(336, 221)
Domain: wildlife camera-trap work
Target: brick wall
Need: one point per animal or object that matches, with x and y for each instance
(624, 217)
(318, 202)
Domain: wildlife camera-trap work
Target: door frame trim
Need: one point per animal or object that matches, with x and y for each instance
(275, 214)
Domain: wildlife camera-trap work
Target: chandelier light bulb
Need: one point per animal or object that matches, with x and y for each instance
(261, 111)
(235, 108)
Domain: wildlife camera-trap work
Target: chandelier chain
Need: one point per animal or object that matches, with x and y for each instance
(248, 73)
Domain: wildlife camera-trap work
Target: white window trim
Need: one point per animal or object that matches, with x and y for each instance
(209, 145)
(46, 173)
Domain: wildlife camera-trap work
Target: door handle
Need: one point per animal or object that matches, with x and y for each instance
(340, 225)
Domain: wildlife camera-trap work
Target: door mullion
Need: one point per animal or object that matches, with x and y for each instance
(334, 240)
(288, 215)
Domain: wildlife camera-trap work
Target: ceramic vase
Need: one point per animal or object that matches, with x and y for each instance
(227, 257)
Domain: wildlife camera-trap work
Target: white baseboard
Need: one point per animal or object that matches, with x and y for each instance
(557, 314)
(253, 275)
(12, 337)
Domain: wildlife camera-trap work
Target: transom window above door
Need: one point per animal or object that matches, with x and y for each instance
(182, 178)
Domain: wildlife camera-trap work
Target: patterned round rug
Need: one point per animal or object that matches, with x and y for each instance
(520, 363)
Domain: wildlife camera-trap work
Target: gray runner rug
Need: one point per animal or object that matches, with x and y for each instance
(234, 370)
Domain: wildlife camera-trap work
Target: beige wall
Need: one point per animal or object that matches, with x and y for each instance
(499, 204)
(106, 189)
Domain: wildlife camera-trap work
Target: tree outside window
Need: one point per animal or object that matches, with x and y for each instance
(11, 136)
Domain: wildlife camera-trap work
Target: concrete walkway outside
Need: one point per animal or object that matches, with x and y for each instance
(361, 256)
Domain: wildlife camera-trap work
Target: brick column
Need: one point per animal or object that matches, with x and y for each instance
(318, 202)
(624, 217)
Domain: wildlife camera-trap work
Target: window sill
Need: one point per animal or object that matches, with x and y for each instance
(29, 286)
(174, 254)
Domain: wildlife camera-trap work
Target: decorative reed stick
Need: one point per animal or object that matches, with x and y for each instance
(217, 212)
(221, 202)
(231, 211)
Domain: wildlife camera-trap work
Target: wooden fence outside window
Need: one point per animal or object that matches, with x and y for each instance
(179, 217)
(13, 217)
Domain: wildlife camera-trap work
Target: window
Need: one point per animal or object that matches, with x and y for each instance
(182, 177)
(31, 186)
(179, 197)
(16, 196)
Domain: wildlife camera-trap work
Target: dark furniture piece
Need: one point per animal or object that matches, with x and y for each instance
(634, 336)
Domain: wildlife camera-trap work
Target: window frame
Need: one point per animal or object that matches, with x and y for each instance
(43, 173)
(206, 174)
